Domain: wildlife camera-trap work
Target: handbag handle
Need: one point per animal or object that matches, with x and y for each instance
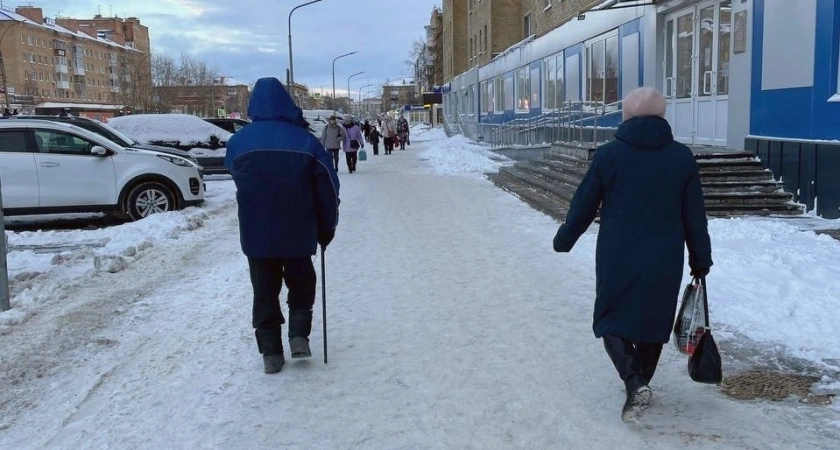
(702, 281)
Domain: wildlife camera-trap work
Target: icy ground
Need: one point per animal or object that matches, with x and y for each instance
(452, 325)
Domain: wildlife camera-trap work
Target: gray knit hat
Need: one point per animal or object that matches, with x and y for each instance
(643, 101)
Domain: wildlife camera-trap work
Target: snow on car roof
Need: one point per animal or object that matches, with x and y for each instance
(168, 127)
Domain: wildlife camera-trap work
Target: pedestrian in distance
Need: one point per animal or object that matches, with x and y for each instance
(332, 136)
(402, 132)
(366, 130)
(389, 133)
(374, 139)
(287, 195)
(353, 142)
(647, 187)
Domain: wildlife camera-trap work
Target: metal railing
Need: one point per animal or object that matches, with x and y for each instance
(581, 122)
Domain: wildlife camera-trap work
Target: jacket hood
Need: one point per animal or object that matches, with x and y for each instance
(270, 101)
(645, 132)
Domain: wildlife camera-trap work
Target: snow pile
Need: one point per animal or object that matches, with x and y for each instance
(184, 128)
(456, 155)
(777, 284)
(42, 263)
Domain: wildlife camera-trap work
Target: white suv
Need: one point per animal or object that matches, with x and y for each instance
(53, 167)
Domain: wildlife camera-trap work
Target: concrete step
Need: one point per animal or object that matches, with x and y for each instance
(743, 176)
(567, 178)
(554, 189)
(738, 186)
(718, 165)
(552, 206)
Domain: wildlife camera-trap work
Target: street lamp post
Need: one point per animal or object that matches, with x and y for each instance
(291, 85)
(360, 97)
(348, 87)
(333, 76)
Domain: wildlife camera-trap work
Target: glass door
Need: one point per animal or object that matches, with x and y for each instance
(679, 74)
(697, 49)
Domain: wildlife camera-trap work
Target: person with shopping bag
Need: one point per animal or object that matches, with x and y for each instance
(353, 142)
(647, 187)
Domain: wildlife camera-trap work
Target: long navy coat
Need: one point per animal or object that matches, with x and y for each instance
(286, 185)
(648, 188)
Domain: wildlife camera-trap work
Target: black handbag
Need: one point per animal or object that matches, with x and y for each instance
(704, 364)
(354, 143)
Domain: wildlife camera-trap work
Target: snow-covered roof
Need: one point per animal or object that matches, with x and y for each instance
(185, 128)
(79, 105)
(7, 15)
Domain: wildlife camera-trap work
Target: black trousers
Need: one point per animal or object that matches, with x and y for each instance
(352, 158)
(389, 145)
(635, 362)
(267, 276)
(376, 148)
(334, 154)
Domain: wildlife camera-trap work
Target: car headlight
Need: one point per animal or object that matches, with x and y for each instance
(178, 161)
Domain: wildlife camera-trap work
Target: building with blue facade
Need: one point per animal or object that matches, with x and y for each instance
(757, 75)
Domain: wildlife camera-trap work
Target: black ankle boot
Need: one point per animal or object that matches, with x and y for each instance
(270, 344)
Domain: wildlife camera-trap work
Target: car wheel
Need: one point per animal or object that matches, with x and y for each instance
(149, 198)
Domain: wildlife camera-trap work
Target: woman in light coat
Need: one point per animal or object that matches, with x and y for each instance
(353, 141)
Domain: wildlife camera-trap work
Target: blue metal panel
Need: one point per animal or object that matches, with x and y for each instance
(790, 166)
(807, 175)
(764, 153)
(828, 183)
(800, 113)
(775, 157)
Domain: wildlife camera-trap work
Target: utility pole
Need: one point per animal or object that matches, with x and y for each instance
(5, 304)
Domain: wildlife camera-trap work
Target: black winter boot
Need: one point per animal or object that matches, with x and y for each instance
(300, 325)
(270, 344)
(623, 356)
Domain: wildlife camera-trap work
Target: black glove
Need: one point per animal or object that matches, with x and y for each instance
(325, 237)
(699, 272)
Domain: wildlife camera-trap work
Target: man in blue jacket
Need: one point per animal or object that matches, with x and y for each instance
(647, 187)
(287, 192)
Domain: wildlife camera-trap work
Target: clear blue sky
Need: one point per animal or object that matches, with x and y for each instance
(248, 39)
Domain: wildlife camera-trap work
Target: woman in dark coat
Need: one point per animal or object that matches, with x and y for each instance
(648, 189)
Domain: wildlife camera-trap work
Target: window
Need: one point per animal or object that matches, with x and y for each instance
(602, 70)
(526, 26)
(724, 39)
(61, 143)
(550, 83)
(499, 94)
(485, 38)
(546, 4)
(509, 93)
(535, 87)
(486, 96)
(523, 90)
(572, 71)
(13, 141)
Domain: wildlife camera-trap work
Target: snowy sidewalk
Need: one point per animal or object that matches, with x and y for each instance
(452, 325)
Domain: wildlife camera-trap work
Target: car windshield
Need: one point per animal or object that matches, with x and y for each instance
(124, 140)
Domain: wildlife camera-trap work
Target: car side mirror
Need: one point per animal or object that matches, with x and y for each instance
(99, 150)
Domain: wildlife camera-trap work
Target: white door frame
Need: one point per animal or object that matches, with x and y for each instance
(698, 114)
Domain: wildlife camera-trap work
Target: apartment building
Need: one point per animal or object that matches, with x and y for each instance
(94, 68)
(476, 31)
(541, 16)
(455, 49)
(395, 96)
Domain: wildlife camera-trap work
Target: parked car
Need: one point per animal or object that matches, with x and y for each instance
(204, 141)
(53, 167)
(227, 124)
(108, 132)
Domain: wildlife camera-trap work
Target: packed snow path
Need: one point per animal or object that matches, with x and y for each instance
(452, 324)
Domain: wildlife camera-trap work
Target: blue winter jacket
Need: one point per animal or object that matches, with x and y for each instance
(286, 186)
(648, 189)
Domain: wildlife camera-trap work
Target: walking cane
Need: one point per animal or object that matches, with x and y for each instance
(324, 301)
